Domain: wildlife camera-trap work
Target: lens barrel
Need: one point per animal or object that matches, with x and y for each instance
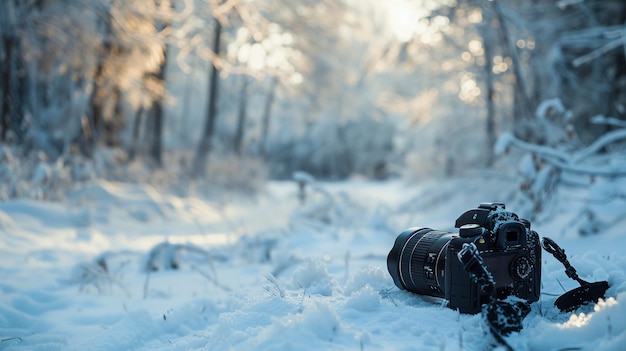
(417, 261)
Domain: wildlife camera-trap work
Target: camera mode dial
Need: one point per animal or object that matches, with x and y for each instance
(521, 268)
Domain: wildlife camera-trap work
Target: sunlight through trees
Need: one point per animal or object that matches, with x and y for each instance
(302, 85)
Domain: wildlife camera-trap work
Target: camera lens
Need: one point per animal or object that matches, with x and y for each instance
(417, 261)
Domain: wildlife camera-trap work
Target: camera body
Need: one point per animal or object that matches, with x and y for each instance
(425, 261)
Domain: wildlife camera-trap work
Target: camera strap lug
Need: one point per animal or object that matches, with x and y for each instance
(586, 292)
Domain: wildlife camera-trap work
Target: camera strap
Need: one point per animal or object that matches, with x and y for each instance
(586, 292)
(502, 316)
(506, 316)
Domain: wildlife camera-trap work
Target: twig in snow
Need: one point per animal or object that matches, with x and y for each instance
(347, 263)
(18, 338)
(146, 285)
(386, 293)
(272, 280)
(301, 309)
(210, 278)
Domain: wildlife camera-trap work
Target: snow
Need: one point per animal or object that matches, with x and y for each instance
(273, 272)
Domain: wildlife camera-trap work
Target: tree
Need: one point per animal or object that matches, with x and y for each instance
(157, 104)
(536, 51)
(241, 116)
(490, 127)
(132, 62)
(268, 45)
(77, 59)
(12, 73)
(267, 114)
(565, 51)
(204, 147)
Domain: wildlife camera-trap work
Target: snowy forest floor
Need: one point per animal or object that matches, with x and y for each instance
(269, 273)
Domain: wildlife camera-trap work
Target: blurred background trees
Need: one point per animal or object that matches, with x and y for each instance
(336, 88)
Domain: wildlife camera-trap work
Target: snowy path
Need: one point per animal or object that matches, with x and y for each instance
(280, 276)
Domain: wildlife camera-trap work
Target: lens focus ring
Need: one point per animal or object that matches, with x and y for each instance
(417, 261)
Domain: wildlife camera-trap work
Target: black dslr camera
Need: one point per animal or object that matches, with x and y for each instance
(436, 263)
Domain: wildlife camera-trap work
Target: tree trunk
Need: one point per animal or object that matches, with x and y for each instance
(525, 109)
(490, 120)
(112, 125)
(4, 73)
(136, 130)
(6, 86)
(241, 116)
(267, 114)
(156, 148)
(617, 96)
(14, 76)
(94, 120)
(204, 147)
(184, 123)
(16, 91)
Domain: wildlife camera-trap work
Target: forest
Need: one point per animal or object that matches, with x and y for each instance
(232, 174)
(235, 92)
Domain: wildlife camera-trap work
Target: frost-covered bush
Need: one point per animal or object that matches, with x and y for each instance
(103, 274)
(236, 173)
(452, 143)
(561, 159)
(257, 248)
(319, 204)
(552, 135)
(168, 256)
(335, 149)
(30, 174)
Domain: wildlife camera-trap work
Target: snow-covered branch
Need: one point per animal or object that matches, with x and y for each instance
(613, 44)
(596, 146)
(549, 153)
(610, 121)
(572, 163)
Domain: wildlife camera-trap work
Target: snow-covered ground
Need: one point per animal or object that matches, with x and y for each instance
(270, 273)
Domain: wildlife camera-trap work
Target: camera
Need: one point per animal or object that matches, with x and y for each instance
(431, 262)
